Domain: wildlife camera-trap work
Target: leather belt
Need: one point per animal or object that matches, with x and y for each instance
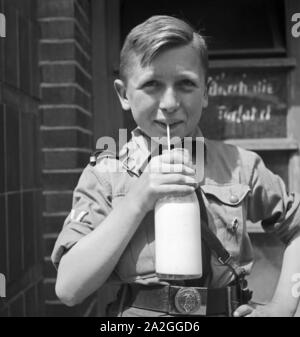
(177, 300)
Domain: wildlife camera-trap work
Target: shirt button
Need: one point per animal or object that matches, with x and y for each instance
(234, 199)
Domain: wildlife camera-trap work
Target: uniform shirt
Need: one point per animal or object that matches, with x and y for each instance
(237, 189)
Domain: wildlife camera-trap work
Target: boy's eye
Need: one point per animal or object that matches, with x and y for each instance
(187, 84)
(150, 84)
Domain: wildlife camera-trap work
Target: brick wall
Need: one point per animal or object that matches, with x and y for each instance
(20, 186)
(66, 122)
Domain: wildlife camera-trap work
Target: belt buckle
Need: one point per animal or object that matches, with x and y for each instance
(188, 301)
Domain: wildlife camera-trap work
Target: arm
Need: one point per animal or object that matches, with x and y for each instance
(284, 297)
(285, 301)
(89, 263)
(92, 259)
(280, 214)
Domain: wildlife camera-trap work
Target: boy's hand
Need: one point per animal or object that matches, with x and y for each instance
(168, 174)
(255, 310)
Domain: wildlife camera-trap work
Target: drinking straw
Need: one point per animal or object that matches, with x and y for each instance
(168, 136)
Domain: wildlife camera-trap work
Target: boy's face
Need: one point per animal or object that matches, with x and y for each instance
(171, 90)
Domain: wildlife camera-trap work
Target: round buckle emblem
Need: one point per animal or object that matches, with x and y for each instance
(187, 300)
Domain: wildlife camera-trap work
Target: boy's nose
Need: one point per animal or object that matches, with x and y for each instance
(168, 101)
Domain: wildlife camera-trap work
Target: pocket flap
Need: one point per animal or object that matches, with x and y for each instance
(231, 195)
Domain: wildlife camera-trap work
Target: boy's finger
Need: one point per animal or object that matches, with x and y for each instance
(177, 168)
(176, 190)
(243, 310)
(176, 156)
(179, 179)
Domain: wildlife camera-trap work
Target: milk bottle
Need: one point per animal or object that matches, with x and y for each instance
(178, 236)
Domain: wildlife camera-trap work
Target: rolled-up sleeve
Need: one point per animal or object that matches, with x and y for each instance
(270, 203)
(91, 204)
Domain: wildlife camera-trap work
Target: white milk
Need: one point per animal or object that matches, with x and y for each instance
(178, 238)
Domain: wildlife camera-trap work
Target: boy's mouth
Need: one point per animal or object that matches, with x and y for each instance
(172, 124)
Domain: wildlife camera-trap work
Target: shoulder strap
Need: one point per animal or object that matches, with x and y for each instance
(212, 241)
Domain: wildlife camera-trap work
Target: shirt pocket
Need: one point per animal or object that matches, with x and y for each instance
(226, 207)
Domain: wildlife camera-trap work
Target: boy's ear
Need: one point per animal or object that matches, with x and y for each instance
(121, 92)
(205, 97)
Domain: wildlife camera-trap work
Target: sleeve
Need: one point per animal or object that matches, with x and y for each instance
(270, 203)
(91, 204)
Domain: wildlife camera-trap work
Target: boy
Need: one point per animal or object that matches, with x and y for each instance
(109, 235)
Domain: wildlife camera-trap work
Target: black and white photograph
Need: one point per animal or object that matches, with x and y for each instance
(149, 161)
